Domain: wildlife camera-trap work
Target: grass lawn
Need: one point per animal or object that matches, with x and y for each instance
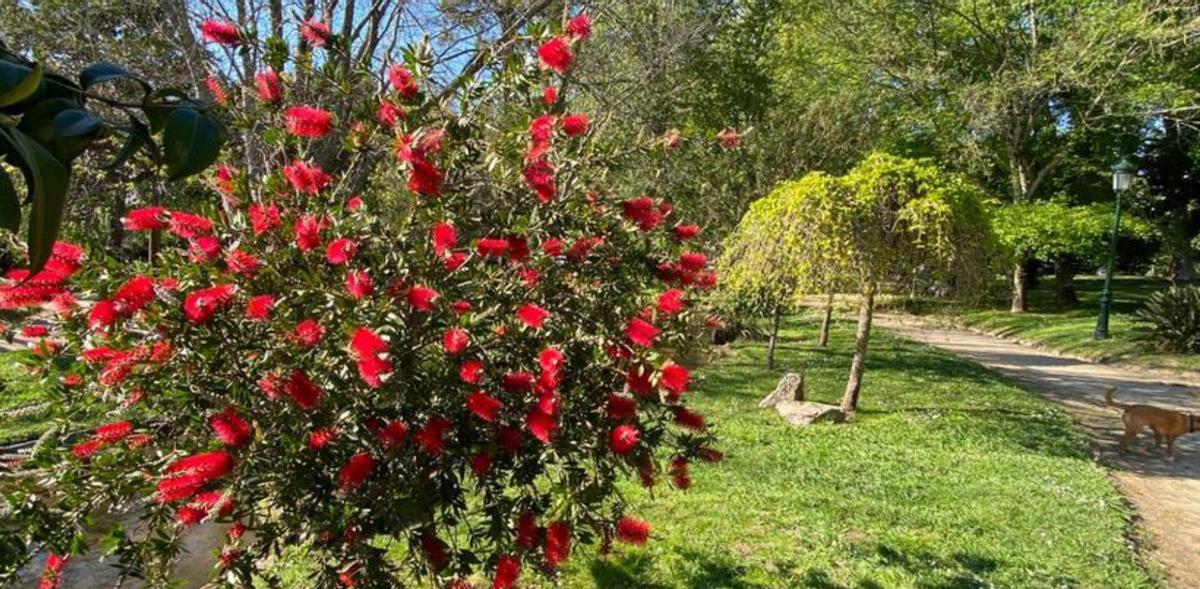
(18, 389)
(1070, 331)
(952, 477)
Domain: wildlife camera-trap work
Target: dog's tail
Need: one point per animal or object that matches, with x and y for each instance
(1108, 398)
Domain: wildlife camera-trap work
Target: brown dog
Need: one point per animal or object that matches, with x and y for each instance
(1165, 423)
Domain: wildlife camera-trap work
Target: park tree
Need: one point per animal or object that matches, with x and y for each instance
(782, 251)
(1171, 168)
(1064, 235)
(464, 358)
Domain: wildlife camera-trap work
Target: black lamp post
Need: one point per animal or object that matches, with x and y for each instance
(1122, 177)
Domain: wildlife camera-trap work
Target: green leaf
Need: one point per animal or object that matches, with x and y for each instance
(191, 142)
(74, 130)
(22, 90)
(159, 105)
(38, 121)
(139, 135)
(48, 179)
(10, 204)
(101, 72)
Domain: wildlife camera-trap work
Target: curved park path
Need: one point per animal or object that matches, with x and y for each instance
(1165, 494)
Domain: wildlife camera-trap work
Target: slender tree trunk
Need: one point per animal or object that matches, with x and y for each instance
(1187, 265)
(1019, 288)
(826, 319)
(866, 312)
(775, 317)
(1064, 283)
(116, 229)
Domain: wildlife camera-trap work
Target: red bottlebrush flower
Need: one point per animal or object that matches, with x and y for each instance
(85, 449)
(268, 85)
(729, 138)
(306, 178)
(216, 502)
(532, 315)
(484, 406)
(436, 551)
(551, 359)
(188, 226)
(529, 277)
(201, 305)
(541, 425)
(229, 557)
(402, 81)
(686, 232)
(207, 465)
(509, 438)
(359, 285)
(518, 248)
(308, 232)
(455, 340)
(706, 280)
(580, 27)
(71, 380)
(393, 434)
(454, 261)
(236, 531)
(539, 175)
(316, 32)
(620, 408)
(259, 308)
(308, 333)
(370, 351)
(461, 307)
(424, 178)
(556, 55)
(575, 125)
(269, 385)
(471, 371)
(340, 251)
(491, 247)
(632, 530)
(624, 438)
(264, 218)
(319, 438)
(172, 489)
(517, 382)
(641, 332)
(693, 261)
(355, 203)
(51, 577)
(220, 96)
(308, 121)
(34, 331)
(689, 419)
(710, 454)
(549, 95)
(508, 571)
(302, 391)
(643, 212)
(242, 263)
(431, 435)
(444, 238)
(582, 248)
(541, 131)
(220, 32)
(558, 543)
(231, 428)
(204, 249)
(527, 530)
(680, 473)
(389, 113)
(422, 298)
(553, 247)
(671, 301)
(481, 463)
(675, 378)
(355, 472)
(638, 380)
(111, 433)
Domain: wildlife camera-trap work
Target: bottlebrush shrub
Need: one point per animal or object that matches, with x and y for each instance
(468, 378)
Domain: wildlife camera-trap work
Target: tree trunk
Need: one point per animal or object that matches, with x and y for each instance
(1187, 265)
(826, 319)
(866, 312)
(775, 316)
(116, 228)
(1019, 288)
(1064, 283)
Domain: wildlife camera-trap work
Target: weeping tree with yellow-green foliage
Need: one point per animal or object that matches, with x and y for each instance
(887, 224)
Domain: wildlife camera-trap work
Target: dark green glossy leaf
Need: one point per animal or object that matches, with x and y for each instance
(38, 122)
(19, 83)
(139, 136)
(74, 130)
(48, 179)
(191, 142)
(101, 72)
(10, 204)
(161, 103)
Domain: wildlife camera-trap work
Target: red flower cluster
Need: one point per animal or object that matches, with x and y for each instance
(220, 32)
(308, 121)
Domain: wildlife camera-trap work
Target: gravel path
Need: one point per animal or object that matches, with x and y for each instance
(1166, 494)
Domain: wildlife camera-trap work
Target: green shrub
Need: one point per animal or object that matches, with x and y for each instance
(1173, 317)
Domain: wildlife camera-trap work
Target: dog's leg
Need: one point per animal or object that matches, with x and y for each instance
(1158, 439)
(1171, 447)
(1129, 435)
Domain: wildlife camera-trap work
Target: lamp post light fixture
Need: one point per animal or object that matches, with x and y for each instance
(1122, 178)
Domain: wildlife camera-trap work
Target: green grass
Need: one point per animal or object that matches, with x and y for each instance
(952, 477)
(1070, 331)
(18, 388)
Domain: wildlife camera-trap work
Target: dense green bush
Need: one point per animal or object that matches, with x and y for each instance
(1173, 317)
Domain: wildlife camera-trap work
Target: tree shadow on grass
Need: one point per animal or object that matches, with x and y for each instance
(634, 571)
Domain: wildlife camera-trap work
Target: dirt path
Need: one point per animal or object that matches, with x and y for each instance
(1166, 494)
